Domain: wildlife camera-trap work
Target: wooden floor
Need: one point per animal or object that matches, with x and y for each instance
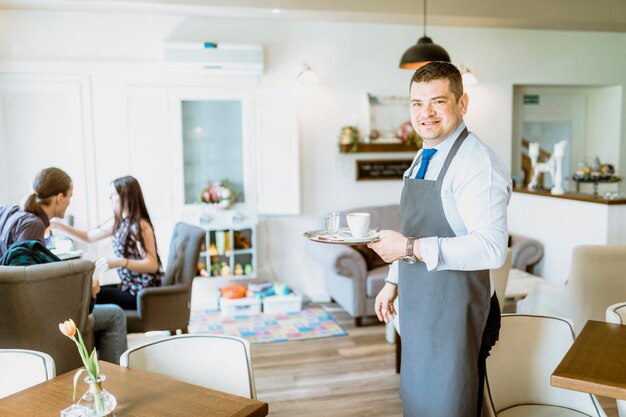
(345, 376)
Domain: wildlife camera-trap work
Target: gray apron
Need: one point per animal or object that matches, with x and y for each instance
(443, 313)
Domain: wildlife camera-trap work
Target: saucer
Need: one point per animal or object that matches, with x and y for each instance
(343, 236)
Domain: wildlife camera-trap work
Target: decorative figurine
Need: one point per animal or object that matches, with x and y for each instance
(554, 166)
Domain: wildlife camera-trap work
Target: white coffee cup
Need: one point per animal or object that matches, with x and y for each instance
(359, 224)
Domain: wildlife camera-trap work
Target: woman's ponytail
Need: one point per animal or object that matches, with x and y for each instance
(30, 205)
(48, 183)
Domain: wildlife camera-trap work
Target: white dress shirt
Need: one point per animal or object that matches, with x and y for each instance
(475, 193)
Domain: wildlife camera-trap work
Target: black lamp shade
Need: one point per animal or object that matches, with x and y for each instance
(424, 51)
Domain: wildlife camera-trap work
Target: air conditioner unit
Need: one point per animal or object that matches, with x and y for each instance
(223, 57)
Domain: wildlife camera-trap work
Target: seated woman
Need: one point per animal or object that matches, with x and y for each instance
(134, 245)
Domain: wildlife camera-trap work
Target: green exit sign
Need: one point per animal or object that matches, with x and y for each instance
(531, 98)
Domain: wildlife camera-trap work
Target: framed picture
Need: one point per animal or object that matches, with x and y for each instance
(387, 115)
(381, 169)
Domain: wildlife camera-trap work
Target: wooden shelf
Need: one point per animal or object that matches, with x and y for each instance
(573, 196)
(378, 147)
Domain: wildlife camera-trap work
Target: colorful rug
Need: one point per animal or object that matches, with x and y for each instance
(310, 323)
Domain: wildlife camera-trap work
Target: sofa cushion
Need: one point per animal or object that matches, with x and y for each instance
(376, 280)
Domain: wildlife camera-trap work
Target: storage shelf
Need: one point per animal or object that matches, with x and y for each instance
(243, 251)
(378, 147)
(230, 277)
(230, 256)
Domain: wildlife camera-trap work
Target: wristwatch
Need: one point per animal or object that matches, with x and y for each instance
(409, 256)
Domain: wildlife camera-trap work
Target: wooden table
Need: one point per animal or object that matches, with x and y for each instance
(138, 394)
(596, 362)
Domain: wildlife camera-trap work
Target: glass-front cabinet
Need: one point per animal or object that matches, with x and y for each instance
(212, 147)
(214, 165)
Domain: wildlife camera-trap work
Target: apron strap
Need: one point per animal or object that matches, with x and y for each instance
(457, 144)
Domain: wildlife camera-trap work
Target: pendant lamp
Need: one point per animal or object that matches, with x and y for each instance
(424, 51)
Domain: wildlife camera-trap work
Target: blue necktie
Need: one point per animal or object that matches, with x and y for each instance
(426, 155)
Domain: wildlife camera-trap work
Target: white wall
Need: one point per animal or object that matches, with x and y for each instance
(350, 60)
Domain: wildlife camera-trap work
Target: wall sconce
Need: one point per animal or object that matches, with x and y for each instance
(468, 77)
(307, 76)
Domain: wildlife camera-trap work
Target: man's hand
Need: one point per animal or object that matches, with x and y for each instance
(384, 303)
(391, 246)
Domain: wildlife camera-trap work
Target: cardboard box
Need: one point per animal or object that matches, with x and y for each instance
(204, 295)
(291, 303)
(236, 306)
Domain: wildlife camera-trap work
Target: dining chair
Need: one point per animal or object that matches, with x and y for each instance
(217, 362)
(596, 280)
(517, 378)
(616, 313)
(22, 369)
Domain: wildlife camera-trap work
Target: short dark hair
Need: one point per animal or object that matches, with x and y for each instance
(437, 70)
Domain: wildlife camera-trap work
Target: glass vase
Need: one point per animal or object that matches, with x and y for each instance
(98, 401)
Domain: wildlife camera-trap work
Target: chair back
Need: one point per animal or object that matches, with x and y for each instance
(522, 361)
(616, 313)
(217, 362)
(35, 299)
(22, 369)
(500, 277)
(182, 262)
(596, 280)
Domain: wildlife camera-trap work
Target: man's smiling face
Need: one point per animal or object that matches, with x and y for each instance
(435, 111)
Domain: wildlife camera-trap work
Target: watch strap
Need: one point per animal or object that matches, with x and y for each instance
(410, 241)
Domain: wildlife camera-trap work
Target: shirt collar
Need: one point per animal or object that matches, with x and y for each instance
(445, 145)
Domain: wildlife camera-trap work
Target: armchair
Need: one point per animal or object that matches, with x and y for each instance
(526, 253)
(167, 307)
(35, 299)
(354, 275)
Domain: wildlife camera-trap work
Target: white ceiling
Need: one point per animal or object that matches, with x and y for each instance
(587, 15)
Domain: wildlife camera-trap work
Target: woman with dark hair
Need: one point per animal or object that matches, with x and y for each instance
(52, 191)
(134, 245)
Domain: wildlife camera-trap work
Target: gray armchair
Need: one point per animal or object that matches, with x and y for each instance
(355, 275)
(526, 252)
(35, 299)
(167, 307)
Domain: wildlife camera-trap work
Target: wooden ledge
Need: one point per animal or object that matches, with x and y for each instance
(379, 147)
(573, 196)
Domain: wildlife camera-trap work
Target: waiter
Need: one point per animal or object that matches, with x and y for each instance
(453, 230)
